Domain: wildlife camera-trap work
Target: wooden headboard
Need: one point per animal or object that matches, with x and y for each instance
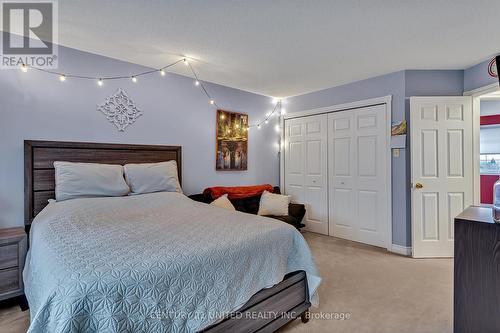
(39, 157)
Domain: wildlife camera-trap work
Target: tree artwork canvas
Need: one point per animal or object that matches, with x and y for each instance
(232, 141)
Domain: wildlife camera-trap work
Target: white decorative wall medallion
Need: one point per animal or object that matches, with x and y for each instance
(120, 110)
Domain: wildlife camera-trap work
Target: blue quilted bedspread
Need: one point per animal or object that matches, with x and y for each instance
(152, 263)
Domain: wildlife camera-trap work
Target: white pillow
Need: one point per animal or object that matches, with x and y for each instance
(152, 177)
(87, 180)
(223, 202)
(273, 204)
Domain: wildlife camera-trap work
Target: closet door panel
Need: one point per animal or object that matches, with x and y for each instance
(294, 159)
(342, 194)
(371, 132)
(306, 168)
(316, 173)
(358, 196)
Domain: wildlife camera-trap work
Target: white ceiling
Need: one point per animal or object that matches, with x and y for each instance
(286, 47)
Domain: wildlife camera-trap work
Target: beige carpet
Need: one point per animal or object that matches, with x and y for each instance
(381, 292)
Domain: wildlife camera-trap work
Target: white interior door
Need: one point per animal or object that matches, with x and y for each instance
(442, 170)
(359, 175)
(306, 168)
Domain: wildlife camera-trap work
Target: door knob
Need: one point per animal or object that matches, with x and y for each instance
(419, 185)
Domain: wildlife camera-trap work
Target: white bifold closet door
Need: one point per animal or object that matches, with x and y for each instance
(359, 195)
(306, 168)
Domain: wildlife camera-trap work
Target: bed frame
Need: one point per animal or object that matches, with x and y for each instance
(266, 311)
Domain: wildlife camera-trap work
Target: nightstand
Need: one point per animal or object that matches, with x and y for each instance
(13, 245)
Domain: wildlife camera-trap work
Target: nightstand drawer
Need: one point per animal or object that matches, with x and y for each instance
(9, 280)
(9, 256)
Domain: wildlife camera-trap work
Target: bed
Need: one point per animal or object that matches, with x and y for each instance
(154, 262)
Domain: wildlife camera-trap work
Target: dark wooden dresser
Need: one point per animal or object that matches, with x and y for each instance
(13, 244)
(477, 272)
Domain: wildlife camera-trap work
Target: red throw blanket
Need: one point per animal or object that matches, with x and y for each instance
(237, 192)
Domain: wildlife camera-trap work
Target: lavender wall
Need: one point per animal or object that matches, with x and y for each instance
(35, 105)
(477, 76)
(434, 82)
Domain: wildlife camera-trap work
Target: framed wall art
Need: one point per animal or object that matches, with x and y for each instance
(232, 141)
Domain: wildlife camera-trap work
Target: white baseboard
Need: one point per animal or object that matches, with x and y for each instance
(403, 250)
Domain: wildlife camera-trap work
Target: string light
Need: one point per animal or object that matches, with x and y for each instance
(283, 112)
(197, 82)
(277, 128)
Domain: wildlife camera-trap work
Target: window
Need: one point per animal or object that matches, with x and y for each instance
(490, 164)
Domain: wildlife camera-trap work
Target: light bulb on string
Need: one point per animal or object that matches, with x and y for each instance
(277, 110)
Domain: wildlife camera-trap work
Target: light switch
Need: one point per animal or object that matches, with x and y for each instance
(395, 152)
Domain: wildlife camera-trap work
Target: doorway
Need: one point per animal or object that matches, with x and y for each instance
(489, 145)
